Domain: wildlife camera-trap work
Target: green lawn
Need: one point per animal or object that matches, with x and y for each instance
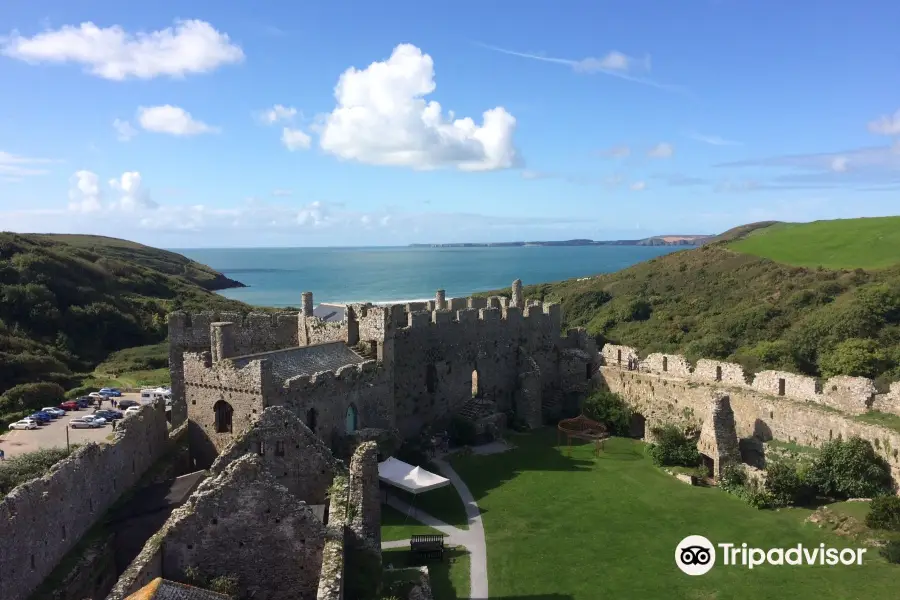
(582, 528)
(443, 503)
(396, 526)
(449, 579)
(870, 243)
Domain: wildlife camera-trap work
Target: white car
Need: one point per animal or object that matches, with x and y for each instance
(131, 410)
(82, 423)
(53, 411)
(24, 424)
(98, 395)
(100, 421)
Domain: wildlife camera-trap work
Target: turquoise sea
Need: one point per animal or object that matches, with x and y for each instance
(277, 276)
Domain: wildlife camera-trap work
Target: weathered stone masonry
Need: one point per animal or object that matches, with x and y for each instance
(43, 519)
(771, 405)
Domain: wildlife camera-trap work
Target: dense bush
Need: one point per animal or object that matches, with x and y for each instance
(849, 469)
(673, 448)
(610, 409)
(25, 467)
(31, 396)
(884, 513)
(733, 476)
(786, 486)
(461, 431)
(891, 552)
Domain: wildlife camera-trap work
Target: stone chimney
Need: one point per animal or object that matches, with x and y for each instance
(718, 441)
(518, 299)
(440, 300)
(307, 304)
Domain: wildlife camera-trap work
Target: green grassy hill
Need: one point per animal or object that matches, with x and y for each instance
(871, 243)
(68, 302)
(716, 303)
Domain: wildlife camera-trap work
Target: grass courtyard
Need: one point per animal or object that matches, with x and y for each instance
(581, 528)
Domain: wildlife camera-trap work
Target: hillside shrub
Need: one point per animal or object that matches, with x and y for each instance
(891, 552)
(856, 357)
(673, 448)
(849, 469)
(610, 409)
(884, 513)
(786, 486)
(25, 467)
(31, 397)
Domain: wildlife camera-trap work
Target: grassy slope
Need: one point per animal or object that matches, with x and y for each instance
(64, 307)
(581, 528)
(871, 243)
(717, 303)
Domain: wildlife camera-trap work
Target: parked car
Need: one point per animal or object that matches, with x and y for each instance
(69, 405)
(40, 417)
(95, 419)
(84, 401)
(109, 415)
(131, 410)
(127, 404)
(83, 423)
(114, 392)
(98, 396)
(52, 410)
(24, 424)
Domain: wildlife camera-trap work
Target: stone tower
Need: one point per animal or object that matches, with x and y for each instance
(718, 441)
(518, 298)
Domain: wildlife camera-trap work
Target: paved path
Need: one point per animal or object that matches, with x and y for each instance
(472, 538)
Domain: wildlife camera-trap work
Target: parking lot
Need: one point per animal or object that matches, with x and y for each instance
(20, 441)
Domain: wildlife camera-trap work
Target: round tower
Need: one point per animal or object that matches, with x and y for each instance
(518, 299)
(307, 304)
(440, 300)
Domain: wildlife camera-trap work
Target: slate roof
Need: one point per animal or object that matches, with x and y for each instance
(330, 313)
(306, 360)
(163, 589)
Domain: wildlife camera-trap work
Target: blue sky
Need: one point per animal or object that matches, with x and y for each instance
(273, 123)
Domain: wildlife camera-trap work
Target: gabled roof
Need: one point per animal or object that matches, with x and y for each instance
(306, 360)
(163, 589)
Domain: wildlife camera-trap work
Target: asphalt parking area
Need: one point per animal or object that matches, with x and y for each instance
(53, 435)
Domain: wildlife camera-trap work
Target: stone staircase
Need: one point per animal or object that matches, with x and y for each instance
(365, 351)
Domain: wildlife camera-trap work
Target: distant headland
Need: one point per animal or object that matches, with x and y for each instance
(659, 240)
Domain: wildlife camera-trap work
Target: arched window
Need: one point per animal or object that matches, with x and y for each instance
(223, 412)
(311, 419)
(351, 419)
(430, 378)
(475, 389)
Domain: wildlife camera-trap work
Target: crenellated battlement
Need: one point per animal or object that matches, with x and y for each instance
(485, 310)
(348, 373)
(854, 395)
(201, 371)
(254, 332)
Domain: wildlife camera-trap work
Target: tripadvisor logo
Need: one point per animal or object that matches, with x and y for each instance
(696, 555)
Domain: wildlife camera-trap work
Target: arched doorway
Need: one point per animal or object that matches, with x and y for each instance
(475, 389)
(224, 414)
(351, 419)
(311, 419)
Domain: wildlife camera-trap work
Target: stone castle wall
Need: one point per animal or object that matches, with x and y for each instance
(854, 395)
(663, 398)
(365, 495)
(43, 519)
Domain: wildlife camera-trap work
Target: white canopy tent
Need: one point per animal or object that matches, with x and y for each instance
(414, 480)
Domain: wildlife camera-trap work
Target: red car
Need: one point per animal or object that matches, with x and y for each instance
(69, 405)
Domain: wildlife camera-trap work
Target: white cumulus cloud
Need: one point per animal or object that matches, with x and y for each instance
(382, 118)
(295, 139)
(172, 120)
(133, 195)
(886, 124)
(191, 46)
(277, 114)
(839, 164)
(661, 150)
(84, 192)
(124, 130)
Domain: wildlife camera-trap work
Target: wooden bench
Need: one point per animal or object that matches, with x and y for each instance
(427, 546)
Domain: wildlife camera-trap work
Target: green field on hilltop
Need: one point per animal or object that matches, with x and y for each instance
(582, 527)
(870, 243)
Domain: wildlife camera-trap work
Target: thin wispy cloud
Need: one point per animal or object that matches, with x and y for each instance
(712, 140)
(615, 64)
